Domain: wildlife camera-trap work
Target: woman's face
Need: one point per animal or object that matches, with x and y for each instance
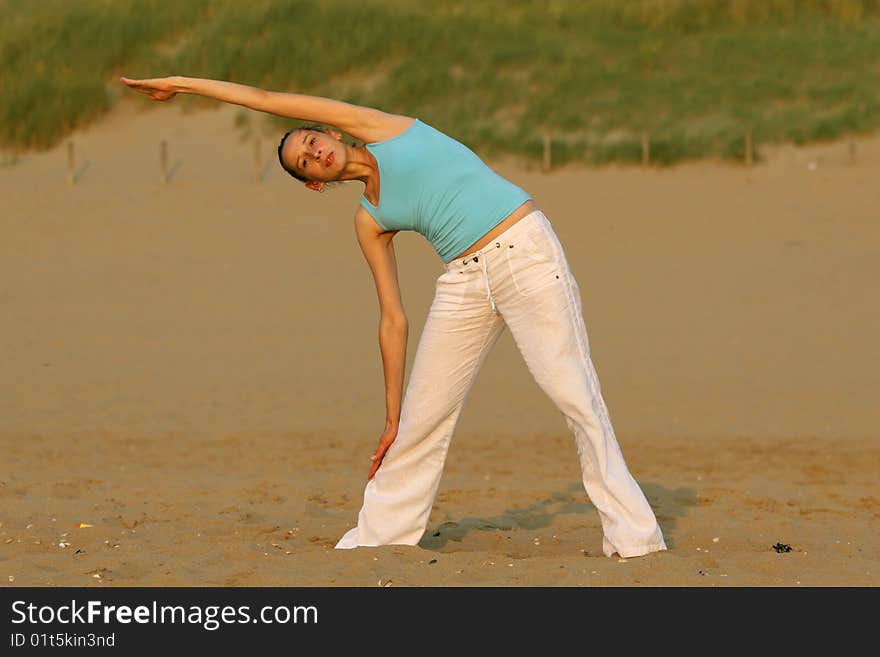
(314, 155)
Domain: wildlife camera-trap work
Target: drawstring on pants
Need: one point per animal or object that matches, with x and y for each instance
(486, 281)
(476, 258)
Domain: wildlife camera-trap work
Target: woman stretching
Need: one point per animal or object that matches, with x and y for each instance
(504, 267)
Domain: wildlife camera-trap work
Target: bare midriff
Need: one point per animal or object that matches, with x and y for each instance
(526, 208)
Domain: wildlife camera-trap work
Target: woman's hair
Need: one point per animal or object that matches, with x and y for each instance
(292, 172)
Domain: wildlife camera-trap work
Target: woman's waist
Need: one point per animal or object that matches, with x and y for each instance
(522, 230)
(509, 221)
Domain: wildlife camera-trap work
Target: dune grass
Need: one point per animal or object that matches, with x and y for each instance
(594, 75)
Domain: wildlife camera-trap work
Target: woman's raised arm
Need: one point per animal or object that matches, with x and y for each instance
(364, 123)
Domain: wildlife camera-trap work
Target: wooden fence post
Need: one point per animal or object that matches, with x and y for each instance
(748, 154)
(547, 145)
(163, 161)
(257, 176)
(70, 164)
(852, 151)
(646, 149)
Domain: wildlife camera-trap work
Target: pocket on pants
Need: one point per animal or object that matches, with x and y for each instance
(533, 263)
(449, 290)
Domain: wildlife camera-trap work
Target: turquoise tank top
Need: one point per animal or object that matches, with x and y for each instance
(437, 186)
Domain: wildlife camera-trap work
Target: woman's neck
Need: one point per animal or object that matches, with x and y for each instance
(359, 165)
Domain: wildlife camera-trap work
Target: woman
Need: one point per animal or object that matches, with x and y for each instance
(504, 267)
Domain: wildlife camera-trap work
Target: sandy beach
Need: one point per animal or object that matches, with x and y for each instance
(191, 379)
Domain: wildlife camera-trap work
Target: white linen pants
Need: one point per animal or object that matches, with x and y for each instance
(520, 280)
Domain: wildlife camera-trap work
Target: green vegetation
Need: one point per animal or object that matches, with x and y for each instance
(594, 74)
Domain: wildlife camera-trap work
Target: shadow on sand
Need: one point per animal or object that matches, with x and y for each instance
(668, 504)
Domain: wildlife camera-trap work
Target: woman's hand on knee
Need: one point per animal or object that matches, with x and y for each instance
(385, 441)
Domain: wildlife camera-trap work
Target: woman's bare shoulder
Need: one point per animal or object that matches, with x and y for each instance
(382, 126)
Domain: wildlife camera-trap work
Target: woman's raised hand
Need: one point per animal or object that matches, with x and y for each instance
(160, 89)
